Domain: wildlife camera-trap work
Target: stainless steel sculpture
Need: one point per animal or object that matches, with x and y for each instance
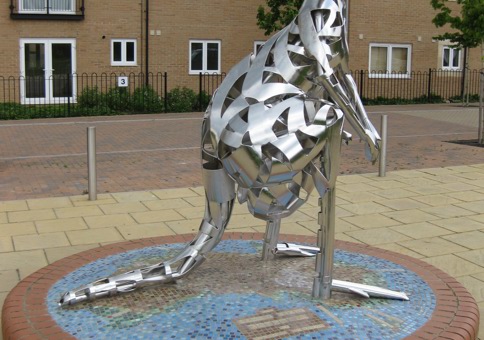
(272, 134)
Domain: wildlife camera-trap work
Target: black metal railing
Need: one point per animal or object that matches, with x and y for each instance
(430, 86)
(82, 95)
(47, 9)
(208, 83)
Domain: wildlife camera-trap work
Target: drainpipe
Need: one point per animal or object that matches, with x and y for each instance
(147, 37)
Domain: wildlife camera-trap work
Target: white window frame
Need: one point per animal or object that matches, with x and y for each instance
(389, 73)
(48, 99)
(204, 61)
(451, 58)
(44, 8)
(123, 61)
(258, 45)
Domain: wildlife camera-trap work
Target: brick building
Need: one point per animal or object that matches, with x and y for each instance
(55, 38)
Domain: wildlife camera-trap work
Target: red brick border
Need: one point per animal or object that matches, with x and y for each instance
(25, 315)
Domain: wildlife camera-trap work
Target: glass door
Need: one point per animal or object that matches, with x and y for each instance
(47, 69)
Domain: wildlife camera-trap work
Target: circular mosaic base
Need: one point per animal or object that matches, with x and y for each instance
(234, 295)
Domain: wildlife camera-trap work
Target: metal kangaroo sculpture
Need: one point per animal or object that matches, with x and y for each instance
(271, 134)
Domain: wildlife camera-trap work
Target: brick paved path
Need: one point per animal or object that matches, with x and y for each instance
(42, 158)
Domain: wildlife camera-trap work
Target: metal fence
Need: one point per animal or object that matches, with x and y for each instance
(428, 86)
(82, 95)
(378, 88)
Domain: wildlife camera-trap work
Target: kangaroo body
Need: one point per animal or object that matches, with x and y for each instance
(271, 134)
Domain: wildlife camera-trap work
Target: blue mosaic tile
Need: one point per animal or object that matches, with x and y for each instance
(234, 295)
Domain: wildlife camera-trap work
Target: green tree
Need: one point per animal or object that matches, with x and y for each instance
(277, 14)
(468, 27)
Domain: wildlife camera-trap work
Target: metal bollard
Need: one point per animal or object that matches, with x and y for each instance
(383, 151)
(91, 163)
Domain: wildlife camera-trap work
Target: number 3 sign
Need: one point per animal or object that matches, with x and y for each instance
(122, 81)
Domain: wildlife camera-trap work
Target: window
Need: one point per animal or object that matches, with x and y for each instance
(451, 58)
(40, 6)
(123, 52)
(390, 60)
(257, 46)
(204, 56)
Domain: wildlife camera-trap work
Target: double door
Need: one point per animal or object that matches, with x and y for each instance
(47, 70)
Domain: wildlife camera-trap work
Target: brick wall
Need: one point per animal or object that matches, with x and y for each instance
(233, 23)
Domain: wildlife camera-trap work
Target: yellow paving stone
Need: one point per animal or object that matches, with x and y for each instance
(3, 217)
(301, 215)
(481, 322)
(399, 249)
(200, 191)
(460, 224)
(31, 215)
(437, 171)
(22, 228)
(193, 212)
(341, 225)
(407, 173)
(471, 175)
(123, 208)
(49, 203)
(457, 186)
(427, 190)
(453, 265)
(196, 201)
(106, 221)
(480, 275)
(78, 212)
(90, 236)
(83, 201)
(377, 236)
(467, 196)
(448, 211)
(134, 196)
(478, 218)
(476, 206)
(8, 280)
(463, 168)
(436, 200)
(474, 286)
(433, 246)
(246, 220)
(371, 221)
(157, 216)
(174, 203)
(134, 232)
(352, 179)
(472, 239)
(6, 245)
(244, 230)
(23, 259)
(478, 183)
(13, 206)
(85, 198)
(365, 208)
(421, 230)
(355, 187)
(51, 226)
(474, 256)
(403, 204)
(57, 253)
(187, 226)
(174, 193)
(418, 182)
(388, 184)
(410, 216)
(287, 228)
(393, 193)
(30, 242)
(344, 237)
(357, 197)
(238, 209)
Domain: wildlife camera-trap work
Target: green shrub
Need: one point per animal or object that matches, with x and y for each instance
(182, 99)
(145, 99)
(424, 99)
(91, 97)
(118, 99)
